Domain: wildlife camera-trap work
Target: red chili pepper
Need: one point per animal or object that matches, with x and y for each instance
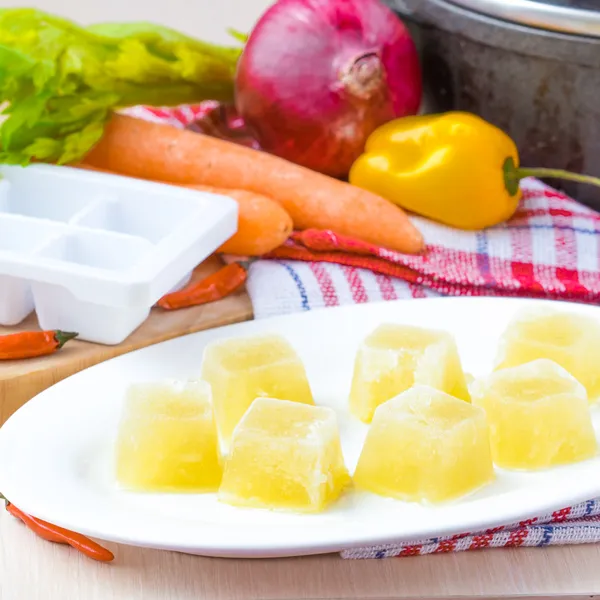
(29, 344)
(324, 240)
(56, 534)
(216, 286)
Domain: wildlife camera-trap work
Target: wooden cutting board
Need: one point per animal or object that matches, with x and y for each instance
(22, 379)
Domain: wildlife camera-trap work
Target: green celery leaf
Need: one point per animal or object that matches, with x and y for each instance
(60, 82)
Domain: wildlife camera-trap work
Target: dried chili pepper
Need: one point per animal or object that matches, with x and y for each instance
(216, 286)
(56, 534)
(28, 344)
(325, 240)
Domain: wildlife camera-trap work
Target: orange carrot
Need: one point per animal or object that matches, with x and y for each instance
(263, 225)
(155, 151)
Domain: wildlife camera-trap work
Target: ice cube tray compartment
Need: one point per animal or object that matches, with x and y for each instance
(16, 300)
(58, 308)
(19, 236)
(92, 252)
(53, 205)
(97, 250)
(148, 217)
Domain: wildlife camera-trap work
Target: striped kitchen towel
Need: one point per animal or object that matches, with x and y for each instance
(578, 524)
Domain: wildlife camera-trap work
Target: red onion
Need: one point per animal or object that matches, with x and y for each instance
(316, 77)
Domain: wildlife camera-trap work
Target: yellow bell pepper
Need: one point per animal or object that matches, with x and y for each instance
(454, 168)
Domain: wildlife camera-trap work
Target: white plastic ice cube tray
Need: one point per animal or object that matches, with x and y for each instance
(92, 252)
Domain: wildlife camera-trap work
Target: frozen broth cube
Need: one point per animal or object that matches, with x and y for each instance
(285, 455)
(569, 339)
(167, 440)
(394, 357)
(425, 446)
(539, 416)
(239, 370)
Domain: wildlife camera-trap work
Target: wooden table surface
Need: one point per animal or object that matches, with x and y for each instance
(32, 569)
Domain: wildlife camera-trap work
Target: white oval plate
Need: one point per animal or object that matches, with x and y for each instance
(56, 450)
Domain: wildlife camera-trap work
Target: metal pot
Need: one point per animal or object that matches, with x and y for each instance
(530, 67)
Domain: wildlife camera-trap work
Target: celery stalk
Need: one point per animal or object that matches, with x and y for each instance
(59, 82)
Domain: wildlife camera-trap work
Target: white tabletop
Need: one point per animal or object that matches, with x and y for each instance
(33, 569)
(207, 20)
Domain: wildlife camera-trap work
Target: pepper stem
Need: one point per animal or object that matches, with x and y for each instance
(558, 174)
(62, 337)
(514, 174)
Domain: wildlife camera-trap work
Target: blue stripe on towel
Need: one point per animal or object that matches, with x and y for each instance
(299, 285)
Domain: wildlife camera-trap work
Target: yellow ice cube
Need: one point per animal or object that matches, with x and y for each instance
(394, 357)
(425, 446)
(285, 455)
(167, 439)
(569, 339)
(240, 370)
(539, 416)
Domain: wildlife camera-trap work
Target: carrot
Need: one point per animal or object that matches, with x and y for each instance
(149, 150)
(263, 225)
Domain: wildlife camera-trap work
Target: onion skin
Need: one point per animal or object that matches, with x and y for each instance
(316, 77)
